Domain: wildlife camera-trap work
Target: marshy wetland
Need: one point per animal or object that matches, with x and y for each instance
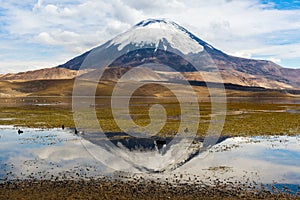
(256, 157)
(244, 116)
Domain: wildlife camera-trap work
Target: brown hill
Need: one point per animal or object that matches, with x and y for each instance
(41, 74)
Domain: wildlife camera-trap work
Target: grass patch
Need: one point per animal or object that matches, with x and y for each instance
(243, 118)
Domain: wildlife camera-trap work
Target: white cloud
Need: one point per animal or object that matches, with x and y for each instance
(46, 38)
(59, 37)
(51, 9)
(238, 27)
(244, 54)
(275, 60)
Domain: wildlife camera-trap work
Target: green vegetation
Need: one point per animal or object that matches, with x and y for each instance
(242, 119)
(36, 116)
(262, 119)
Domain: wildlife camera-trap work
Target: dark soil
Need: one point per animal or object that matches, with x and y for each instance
(133, 189)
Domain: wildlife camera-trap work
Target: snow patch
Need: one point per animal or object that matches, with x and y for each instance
(153, 33)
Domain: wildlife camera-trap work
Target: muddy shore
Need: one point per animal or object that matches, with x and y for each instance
(133, 189)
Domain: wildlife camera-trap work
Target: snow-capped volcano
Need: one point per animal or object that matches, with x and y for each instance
(152, 40)
(158, 33)
(166, 42)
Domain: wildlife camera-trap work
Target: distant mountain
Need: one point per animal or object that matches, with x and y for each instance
(155, 38)
(41, 74)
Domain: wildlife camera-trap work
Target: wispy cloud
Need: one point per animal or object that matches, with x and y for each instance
(35, 33)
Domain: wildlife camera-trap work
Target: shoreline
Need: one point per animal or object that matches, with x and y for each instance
(106, 188)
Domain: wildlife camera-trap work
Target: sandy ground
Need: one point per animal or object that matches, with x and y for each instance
(133, 189)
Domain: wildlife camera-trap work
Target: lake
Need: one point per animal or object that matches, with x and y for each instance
(57, 154)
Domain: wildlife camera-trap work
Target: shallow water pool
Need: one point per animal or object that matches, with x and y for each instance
(60, 154)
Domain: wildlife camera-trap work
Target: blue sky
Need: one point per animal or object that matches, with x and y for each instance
(282, 5)
(42, 33)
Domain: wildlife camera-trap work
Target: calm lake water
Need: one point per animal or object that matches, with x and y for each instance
(60, 154)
